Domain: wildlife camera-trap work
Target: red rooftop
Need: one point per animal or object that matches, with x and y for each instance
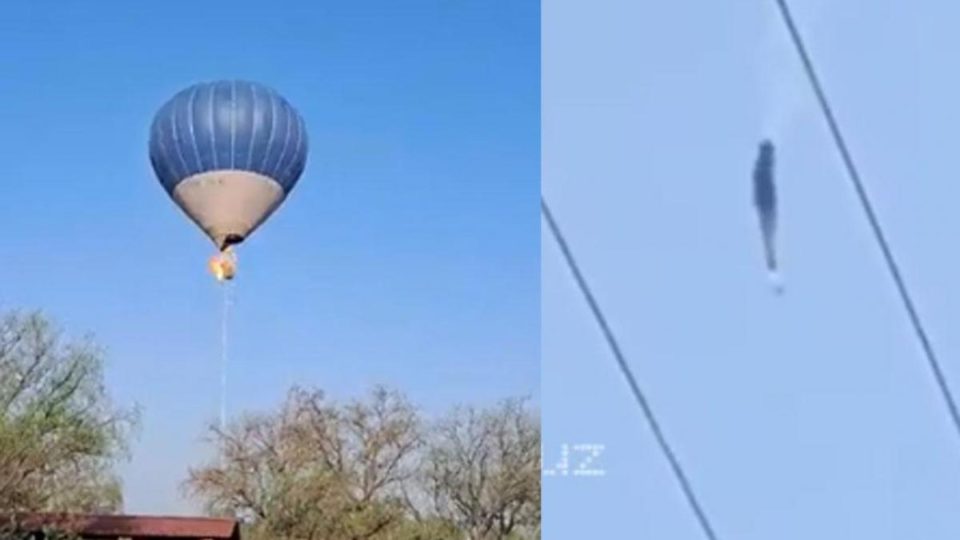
(115, 527)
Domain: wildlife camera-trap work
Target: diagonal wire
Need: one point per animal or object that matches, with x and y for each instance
(638, 394)
(854, 175)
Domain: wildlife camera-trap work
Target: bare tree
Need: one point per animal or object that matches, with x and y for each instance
(315, 469)
(482, 471)
(59, 433)
(370, 469)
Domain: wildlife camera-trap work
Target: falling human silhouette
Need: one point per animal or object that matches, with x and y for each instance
(765, 200)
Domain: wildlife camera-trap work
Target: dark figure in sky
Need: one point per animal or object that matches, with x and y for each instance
(765, 199)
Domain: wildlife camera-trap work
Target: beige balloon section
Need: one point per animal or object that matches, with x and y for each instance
(227, 204)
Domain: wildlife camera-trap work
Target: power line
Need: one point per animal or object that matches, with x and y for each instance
(867, 206)
(628, 375)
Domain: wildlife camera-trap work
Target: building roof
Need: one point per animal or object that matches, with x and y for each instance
(134, 527)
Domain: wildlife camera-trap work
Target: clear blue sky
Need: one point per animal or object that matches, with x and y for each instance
(801, 417)
(408, 254)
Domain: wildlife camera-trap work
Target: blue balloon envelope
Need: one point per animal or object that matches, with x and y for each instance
(228, 153)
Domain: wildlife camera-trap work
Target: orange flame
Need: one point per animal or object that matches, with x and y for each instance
(223, 265)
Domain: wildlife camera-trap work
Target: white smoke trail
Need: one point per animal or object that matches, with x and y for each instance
(224, 356)
(784, 91)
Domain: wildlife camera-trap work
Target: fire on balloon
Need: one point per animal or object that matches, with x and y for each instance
(223, 265)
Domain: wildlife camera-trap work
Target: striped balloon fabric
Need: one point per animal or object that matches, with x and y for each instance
(228, 153)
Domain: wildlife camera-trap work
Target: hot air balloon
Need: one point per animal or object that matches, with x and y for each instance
(228, 153)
